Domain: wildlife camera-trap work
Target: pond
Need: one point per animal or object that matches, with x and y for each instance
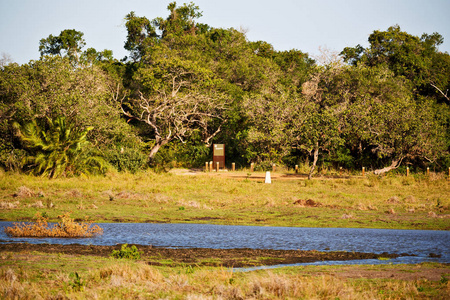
(419, 243)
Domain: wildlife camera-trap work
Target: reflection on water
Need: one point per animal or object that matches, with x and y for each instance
(414, 242)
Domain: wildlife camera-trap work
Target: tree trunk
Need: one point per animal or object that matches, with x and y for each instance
(156, 148)
(316, 157)
(395, 164)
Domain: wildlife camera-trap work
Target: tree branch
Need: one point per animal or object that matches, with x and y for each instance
(445, 95)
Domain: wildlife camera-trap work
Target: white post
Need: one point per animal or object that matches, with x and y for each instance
(268, 180)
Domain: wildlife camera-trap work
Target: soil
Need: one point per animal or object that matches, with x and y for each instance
(235, 258)
(201, 256)
(253, 176)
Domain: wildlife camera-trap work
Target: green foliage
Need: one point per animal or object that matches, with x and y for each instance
(264, 166)
(69, 40)
(57, 149)
(127, 252)
(191, 154)
(415, 58)
(77, 283)
(81, 94)
(187, 85)
(126, 159)
(11, 159)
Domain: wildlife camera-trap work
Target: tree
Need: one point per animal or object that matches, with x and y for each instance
(92, 56)
(84, 95)
(274, 120)
(323, 113)
(141, 35)
(177, 97)
(180, 21)
(69, 40)
(5, 59)
(415, 58)
(295, 66)
(58, 151)
(384, 120)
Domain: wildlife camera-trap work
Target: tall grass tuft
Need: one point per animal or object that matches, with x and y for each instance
(67, 227)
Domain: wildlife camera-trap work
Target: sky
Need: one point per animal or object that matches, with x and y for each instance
(286, 24)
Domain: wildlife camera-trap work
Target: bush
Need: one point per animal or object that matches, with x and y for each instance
(65, 228)
(126, 159)
(126, 252)
(11, 159)
(56, 147)
(264, 166)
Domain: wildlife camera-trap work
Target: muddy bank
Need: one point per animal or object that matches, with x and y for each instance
(202, 256)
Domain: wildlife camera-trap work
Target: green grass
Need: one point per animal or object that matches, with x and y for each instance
(41, 275)
(371, 202)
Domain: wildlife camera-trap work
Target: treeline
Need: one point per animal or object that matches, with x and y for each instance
(186, 85)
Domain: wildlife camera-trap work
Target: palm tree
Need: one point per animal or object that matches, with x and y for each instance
(58, 151)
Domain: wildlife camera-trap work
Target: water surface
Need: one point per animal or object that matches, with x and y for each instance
(419, 243)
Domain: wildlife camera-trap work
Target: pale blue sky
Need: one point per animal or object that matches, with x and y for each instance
(286, 24)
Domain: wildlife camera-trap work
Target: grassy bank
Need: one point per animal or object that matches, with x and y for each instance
(31, 275)
(414, 202)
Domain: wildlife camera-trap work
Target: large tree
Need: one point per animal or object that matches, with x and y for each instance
(418, 59)
(384, 121)
(52, 87)
(69, 42)
(274, 120)
(197, 74)
(321, 131)
(176, 97)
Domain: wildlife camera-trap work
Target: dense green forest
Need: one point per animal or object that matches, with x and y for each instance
(187, 85)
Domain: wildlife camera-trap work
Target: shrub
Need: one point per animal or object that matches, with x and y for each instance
(65, 228)
(12, 159)
(126, 159)
(57, 148)
(77, 283)
(127, 252)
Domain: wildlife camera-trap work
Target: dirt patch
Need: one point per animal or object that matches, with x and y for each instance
(202, 256)
(308, 202)
(404, 272)
(236, 258)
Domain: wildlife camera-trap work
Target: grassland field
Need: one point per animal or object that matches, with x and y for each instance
(238, 198)
(414, 202)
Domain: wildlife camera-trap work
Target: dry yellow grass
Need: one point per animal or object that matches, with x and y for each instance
(129, 280)
(65, 228)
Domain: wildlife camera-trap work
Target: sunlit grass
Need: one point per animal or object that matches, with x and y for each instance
(373, 202)
(41, 275)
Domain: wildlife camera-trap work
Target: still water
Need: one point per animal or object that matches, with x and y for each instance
(419, 243)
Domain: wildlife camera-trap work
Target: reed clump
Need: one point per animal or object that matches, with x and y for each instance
(66, 228)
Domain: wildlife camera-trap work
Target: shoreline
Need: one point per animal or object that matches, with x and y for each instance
(235, 258)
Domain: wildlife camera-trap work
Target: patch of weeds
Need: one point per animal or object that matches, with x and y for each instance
(444, 279)
(352, 182)
(407, 181)
(77, 283)
(181, 208)
(189, 269)
(439, 205)
(309, 183)
(372, 181)
(127, 252)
